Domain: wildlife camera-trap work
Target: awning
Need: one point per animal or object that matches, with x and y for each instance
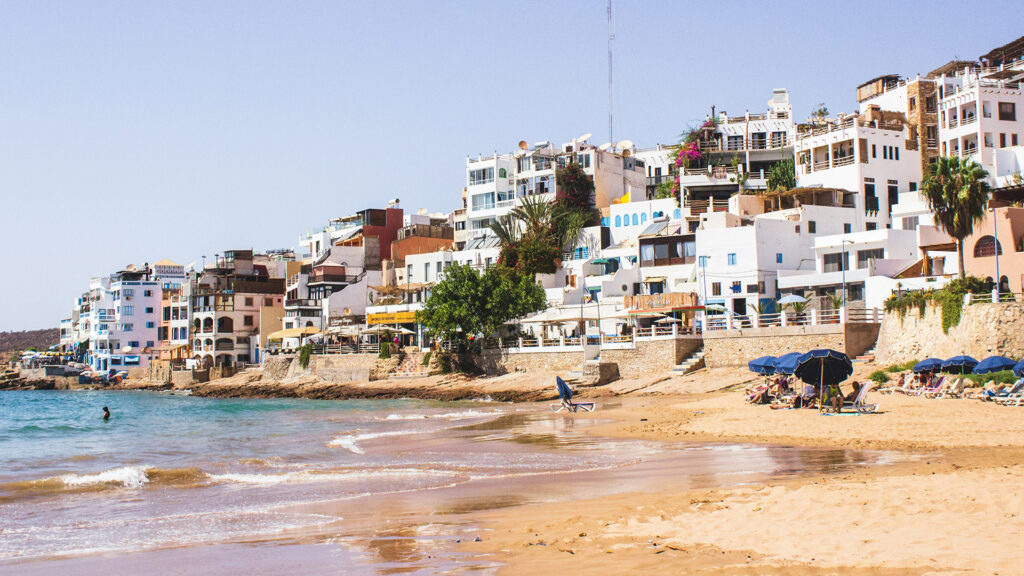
(293, 333)
(655, 279)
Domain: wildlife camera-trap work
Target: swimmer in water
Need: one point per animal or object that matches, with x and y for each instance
(106, 414)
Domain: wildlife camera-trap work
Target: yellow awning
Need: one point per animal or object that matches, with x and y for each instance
(293, 333)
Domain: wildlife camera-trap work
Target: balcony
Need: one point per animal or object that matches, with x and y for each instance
(969, 150)
(331, 279)
(842, 161)
(666, 300)
(969, 120)
(933, 143)
(952, 123)
(301, 303)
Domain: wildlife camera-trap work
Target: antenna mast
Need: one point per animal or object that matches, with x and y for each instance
(611, 36)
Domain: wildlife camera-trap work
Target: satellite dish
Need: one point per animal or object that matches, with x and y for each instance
(625, 144)
(604, 146)
(627, 153)
(543, 144)
(191, 266)
(584, 137)
(523, 145)
(126, 349)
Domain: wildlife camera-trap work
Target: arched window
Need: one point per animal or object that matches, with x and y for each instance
(987, 246)
(502, 173)
(643, 218)
(618, 221)
(677, 214)
(636, 220)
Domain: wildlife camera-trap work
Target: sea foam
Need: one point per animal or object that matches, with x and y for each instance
(127, 476)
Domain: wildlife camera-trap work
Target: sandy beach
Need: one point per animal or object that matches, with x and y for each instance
(952, 506)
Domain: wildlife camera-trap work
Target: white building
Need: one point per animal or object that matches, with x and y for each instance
(123, 317)
(865, 155)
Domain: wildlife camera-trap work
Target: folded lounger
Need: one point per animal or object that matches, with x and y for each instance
(565, 394)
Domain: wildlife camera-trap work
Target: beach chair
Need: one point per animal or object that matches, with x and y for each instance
(945, 386)
(858, 404)
(565, 395)
(932, 387)
(990, 395)
(956, 390)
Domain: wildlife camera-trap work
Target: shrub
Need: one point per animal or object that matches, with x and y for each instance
(879, 376)
(385, 351)
(305, 352)
(901, 367)
(444, 362)
(1004, 377)
(426, 359)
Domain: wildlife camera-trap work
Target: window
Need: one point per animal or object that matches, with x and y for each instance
(735, 143)
(677, 214)
(426, 271)
(149, 310)
(987, 246)
(894, 192)
(874, 151)
(502, 173)
(910, 223)
(716, 288)
(437, 269)
(732, 259)
(778, 257)
(481, 176)
(127, 327)
(912, 103)
(147, 293)
(703, 261)
(751, 288)
(248, 301)
(636, 220)
(869, 187)
(929, 104)
(618, 221)
(864, 257)
(643, 218)
(660, 251)
(149, 343)
(127, 310)
(1007, 111)
(1013, 139)
(133, 343)
(885, 152)
(847, 228)
(736, 287)
(834, 262)
(150, 324)
(128, 292)
(167, 313)
(913, 186)
(870, 226)
(268, 301)
(856, 292)
(1002, 140)
(247, 321)
(812, 227)
(896, 149)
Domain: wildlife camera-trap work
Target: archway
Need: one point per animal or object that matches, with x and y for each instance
(208, 325)
(987, 246)
(225, 324)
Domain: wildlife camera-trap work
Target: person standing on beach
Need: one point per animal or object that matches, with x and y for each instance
(106, 414)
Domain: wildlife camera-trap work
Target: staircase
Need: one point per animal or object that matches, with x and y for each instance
(411, 366)
(867, 356)
(692, 364)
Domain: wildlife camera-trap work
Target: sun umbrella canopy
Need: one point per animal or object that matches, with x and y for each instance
(959, 364)
(791, 299)
(787, 363)
(994, 364)
(824, 367)
(928, 365)
(1018, 369)
(762, 365)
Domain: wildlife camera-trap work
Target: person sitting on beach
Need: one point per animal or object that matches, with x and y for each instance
(806, 398)
(106, 414)
(838, 399)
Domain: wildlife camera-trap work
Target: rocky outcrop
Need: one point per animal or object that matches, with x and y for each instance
(984, 330)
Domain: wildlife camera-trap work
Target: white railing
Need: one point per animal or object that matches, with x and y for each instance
(843, 161)
(790, 318)
(1004, 297)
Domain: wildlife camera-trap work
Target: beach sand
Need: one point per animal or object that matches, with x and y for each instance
(954, 506)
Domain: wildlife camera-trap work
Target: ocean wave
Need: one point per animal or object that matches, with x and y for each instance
(133, 477)
(322, 475)
(127, 476)
(350, 441)
(464, 414)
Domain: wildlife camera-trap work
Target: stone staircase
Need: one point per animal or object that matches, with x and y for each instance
(692, 364)
(867, 356)
(411, 366)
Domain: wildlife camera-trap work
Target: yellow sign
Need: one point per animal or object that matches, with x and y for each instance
(392, 318)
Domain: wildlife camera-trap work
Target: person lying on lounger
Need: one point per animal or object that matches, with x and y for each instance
(838, 399)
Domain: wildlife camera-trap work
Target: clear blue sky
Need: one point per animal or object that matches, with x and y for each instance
(134, 131)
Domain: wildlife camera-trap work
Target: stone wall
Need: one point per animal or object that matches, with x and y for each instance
(329, 367)
(500, 362)
(984, 330)
(651, 357)
(737, 347)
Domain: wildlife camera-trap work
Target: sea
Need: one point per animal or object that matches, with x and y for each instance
(169, 471)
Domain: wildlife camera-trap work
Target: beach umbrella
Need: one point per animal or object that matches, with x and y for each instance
(994, 364)
(823, 367)
(791, 299)
(928, 365)
(959, 364)
(764, 365)
(787, 363)
(1018, 369)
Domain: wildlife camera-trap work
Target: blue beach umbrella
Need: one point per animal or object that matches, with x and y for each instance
(823, 367)
(1018, 369)
(928, 365)
(787, 363)
(764, 365)
(959, 364)
(994, 364)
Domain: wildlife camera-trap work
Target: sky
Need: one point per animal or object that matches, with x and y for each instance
(135, 131)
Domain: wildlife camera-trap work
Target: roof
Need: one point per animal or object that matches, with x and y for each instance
(1009, 51)
(952, 66)
(166, 262)
(877, 78)
(292, 333)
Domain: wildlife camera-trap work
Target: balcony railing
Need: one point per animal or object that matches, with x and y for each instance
(301, 303)
(969, 150)
(332, 278)
(952, 123)
(821, 165)
(933, 143)
(968, 120)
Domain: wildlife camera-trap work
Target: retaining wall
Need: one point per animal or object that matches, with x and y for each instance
(984, 330)
(737, 347)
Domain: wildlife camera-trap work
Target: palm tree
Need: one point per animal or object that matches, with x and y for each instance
(836, 301)
(957, 193)
(535, 214)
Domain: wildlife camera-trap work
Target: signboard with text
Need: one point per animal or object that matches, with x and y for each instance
(391, 318)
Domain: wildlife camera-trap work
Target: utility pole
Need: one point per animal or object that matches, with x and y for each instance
(611, 37)
(995, 233)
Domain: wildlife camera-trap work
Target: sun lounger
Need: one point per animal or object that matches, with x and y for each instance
(955, 390)
(858, 403)
(942, 389)
(565, 395)
(932, 387)
(1017, 388)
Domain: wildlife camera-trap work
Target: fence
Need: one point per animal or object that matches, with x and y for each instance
(575, 343)
(787, 318)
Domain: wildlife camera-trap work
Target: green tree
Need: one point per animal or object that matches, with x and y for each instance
(957, 193)
(575, 187)
(469, 303)
(782, 176)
